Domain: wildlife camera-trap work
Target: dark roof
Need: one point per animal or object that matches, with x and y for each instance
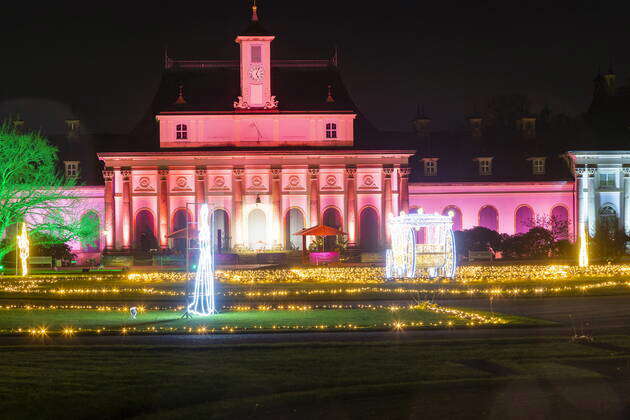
(255, 28)
(456, 151)
(299, 86)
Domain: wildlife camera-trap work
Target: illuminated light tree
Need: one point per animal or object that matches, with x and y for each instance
(23, 246)
(203, 294)
(33, 191)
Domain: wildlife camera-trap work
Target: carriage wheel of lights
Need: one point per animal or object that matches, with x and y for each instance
(436, 258)
(203, 295)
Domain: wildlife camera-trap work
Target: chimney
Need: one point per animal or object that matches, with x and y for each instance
(475, 124)
(421, 123)
(527, 126)
(73, 129)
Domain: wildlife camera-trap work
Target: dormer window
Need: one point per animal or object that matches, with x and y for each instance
(331, 130)
(485, 166)
(538, 166)
(430, 166)
(72, 168)
(181, 132)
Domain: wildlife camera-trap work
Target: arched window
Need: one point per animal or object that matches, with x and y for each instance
(457, 216)
(331, 218)
(145, 231)
(560, 221)
(90, 225)
(523, 219)
(221, 230)
(489, 218)
(181, 218)
(294, 221)
(368, 228)
(181, 131)
(608, 218)
(257, 229)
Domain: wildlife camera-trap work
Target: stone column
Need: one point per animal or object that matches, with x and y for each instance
(351, 205)
(126, 208)
(200, 189)
(626, 199)
(110, 209)
(314, 195)
(582, 195)
(237, 206)
(592, 206)
(403, 188)
(276, 203)
(163, 207)
(386, 202)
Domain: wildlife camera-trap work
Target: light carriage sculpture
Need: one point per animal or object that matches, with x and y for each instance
(435, 258)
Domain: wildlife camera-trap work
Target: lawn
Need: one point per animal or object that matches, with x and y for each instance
(111, 320)
(431, 378)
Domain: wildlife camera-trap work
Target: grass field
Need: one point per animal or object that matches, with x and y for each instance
(449, 379)
(84, 321)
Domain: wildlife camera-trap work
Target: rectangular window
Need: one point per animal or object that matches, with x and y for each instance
(606, 180)
(538, 166)
(256, 54)
(430, 168)
(72, 168)
(331, 130)
(181, 132)
(485, 166)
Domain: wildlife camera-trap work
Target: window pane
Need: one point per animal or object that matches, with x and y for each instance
(255, 52)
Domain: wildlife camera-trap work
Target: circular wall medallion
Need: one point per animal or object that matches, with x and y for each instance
(257, 181)
(294, 180)
(368, 180)
(219, 181)
(331, 180)
(181, 181)
(144, 182)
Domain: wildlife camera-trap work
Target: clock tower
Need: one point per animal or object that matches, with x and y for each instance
(255, 45)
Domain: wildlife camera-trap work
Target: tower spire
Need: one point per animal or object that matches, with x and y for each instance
(254, 12)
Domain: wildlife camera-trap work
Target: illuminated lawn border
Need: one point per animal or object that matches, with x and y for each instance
(254, 319)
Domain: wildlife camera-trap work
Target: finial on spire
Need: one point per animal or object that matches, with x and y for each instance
(180, 97)
(254, 12)
(330, 98)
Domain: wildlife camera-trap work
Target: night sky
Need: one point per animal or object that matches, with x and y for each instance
(101, 61)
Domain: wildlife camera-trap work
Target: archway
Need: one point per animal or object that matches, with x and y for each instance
(523, 219)
(91, 221)
(489, 218)
(368, 228)
(257, 229)
(331, 218)
(293, 221)
(145, 231)
(181, 218)
(457, 216)
(560, 222)
(221, 230)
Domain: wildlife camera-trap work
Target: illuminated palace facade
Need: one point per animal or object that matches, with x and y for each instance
(277, 145)
(269, 144)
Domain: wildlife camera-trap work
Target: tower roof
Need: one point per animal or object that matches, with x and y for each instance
(255, 28)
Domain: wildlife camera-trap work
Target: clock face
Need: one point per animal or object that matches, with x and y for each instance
(256, 73)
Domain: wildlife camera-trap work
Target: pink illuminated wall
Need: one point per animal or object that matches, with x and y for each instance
(513, 202)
